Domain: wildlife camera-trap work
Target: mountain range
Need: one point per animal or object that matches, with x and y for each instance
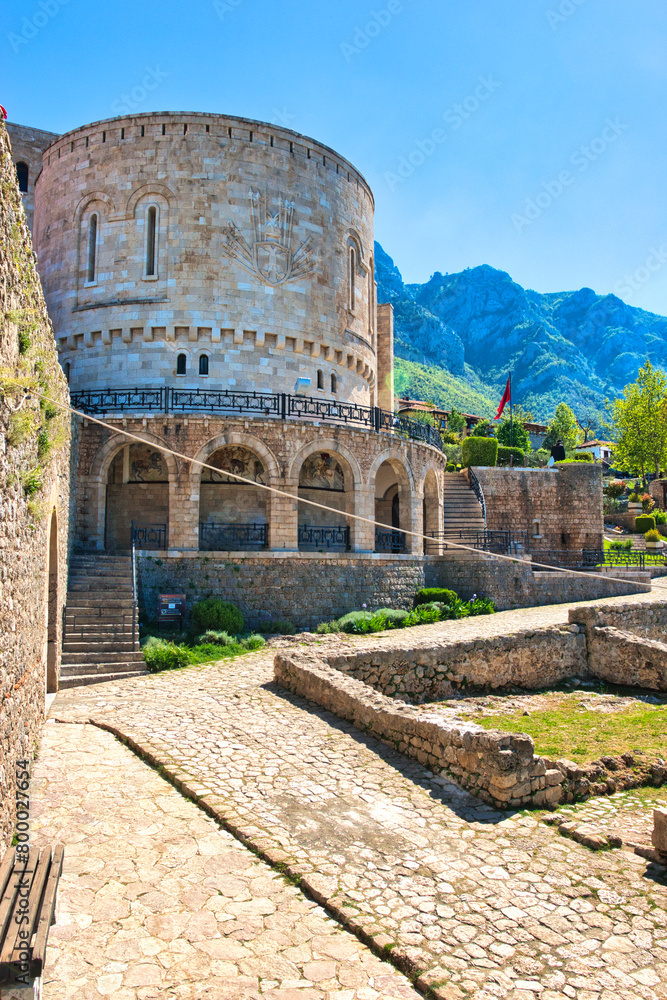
(456, 337)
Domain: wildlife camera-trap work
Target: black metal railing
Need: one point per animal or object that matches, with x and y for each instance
(317, 537)
(390, 541)
(149, 536)
(502, 542)
(476, 487)
(598, 559)
(279, 405)
(214, 536)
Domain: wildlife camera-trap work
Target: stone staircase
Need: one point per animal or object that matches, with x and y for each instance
(101, 635)
(462, 511)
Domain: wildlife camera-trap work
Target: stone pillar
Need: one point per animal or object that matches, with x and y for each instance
(284, 518)
(385, 356)
(183, 527)
(415, 505)
(362, 534)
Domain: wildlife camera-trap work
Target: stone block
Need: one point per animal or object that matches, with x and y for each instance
(659, 835)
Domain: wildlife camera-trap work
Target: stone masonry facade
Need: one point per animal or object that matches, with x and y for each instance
(34, 496)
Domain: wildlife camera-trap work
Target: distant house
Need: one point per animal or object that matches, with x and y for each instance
(600, 450)
(536, 432)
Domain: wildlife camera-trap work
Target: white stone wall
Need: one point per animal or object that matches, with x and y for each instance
(279, 313)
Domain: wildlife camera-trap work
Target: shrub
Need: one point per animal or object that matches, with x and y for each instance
(327, 628)
(482, 606)
(424, 614)
(253, 642)
(449, 438)
(634, 497)
(583, 456)
(395, 616)
(505, 454)
(653, 536)
(621, 546)
(645, 523)
(479, 451)
(615, 489)
(281, 626)
(162, 655)
(660, 516)
(450, 467)
(216, 614)
(216, 638)
(647, 502)
(349, 623)
(429, 594)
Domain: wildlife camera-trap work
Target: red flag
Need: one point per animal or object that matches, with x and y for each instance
(507, 397)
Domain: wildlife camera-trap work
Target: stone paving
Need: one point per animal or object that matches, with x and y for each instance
(157, 901)
(479, 904)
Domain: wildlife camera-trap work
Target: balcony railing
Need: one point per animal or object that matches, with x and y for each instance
(277, 405)
(318, 537)
(389, 541)
(502, 542)
(214, 536)
(600, 559)
(149, 536)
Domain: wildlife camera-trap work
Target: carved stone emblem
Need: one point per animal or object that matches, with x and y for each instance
(271, 255)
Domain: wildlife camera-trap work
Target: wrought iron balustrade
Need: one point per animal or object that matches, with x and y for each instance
(502, 542)
(592, 559)
(278, 405)
(390, 540)
(476, 487)
(149, 536)
(323, 537)
(215, 536)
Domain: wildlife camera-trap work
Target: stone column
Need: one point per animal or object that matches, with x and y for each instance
(415, 505)
(183, 527)
(385, 356)
(362, 534)
(284, 518)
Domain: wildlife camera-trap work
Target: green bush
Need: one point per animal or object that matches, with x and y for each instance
(583, 456)
(660, 516)
(429, 594)
(621, 546)
(327, 628)
(162, 655)
(449, 438)
(350, 623)
(215, 638)
(395, 616)
(644, 524)
(634, 497)
(450, 467)
(479, 451)
(253, 642)
(218, 615)
(481, 606)
(653, 536)
(615, 489)
(424, 614)
(505, 453)
(281, 626)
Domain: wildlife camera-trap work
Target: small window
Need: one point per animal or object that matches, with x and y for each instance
(334, 383)
(181, 364)
(151, 242)
(203, 364)
(67, 369)
(352, 278)
(537, 528)
(92, 247)
(320, 379)
(22, 174)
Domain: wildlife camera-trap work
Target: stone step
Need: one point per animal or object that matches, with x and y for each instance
(101, 582)
(101, 678)
(101, 648)
(74, 662)
(100, 598)
(97, 628)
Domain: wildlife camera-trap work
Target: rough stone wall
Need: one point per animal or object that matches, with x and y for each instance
(28, 145)
(263, 318)
(566, 503)
(34, 495)
(626, 658)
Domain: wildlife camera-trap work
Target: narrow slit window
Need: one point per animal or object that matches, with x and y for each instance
(334, 383)
(203, 364)
(92, 247)
(151, 242)
(353, 278)
(67, 369)
(143, 131)
(181, 364)
(22, 174)
(320, 379)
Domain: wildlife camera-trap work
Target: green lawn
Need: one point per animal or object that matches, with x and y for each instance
(579, 734)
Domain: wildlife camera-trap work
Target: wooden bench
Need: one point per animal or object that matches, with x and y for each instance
(28, 885)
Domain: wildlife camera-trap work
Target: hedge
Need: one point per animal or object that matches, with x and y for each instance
(479, 451)
(505, 453)
(584, 456)
(644, 524)
(429, 594)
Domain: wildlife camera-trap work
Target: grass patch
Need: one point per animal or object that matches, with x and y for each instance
(579, 734)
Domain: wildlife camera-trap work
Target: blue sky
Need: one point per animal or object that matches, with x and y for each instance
(525, 134)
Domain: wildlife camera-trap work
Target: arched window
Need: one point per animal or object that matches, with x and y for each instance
(203, 364)
(92, 247)
(151, 242)
(334, 383)
(352, 278)
(22, 174)
(320, 379)
(181, 364)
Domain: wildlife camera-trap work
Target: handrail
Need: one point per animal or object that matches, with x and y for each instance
(476, 487)
(276, 405)
(135, 605)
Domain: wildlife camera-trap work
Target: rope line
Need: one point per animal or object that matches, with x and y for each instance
(312, 503)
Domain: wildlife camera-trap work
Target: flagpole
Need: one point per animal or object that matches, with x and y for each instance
(511, 415)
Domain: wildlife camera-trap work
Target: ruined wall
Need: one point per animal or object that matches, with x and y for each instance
(559, 508)
(28, 145)
(34, 495)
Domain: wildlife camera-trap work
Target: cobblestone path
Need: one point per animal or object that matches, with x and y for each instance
(483, 904)
(157, 901)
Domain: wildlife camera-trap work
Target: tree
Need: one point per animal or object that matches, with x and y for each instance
(639, 422)
(513, 434)
(563, 427)
(456, 421)
(588, 422)
(483, 429)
